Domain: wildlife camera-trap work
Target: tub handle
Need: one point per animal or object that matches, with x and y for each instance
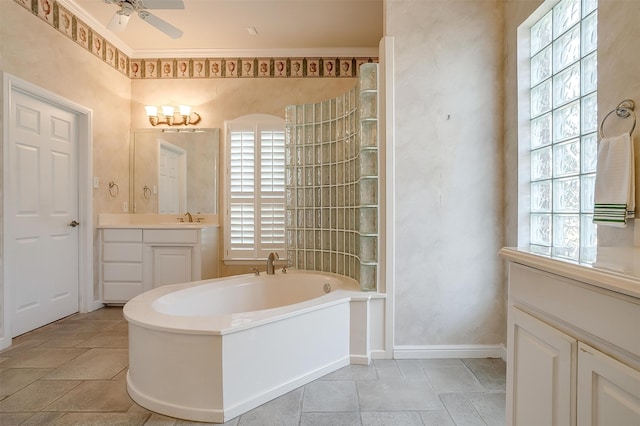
(256, 271)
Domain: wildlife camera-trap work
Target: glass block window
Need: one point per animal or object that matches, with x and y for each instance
(255, 208)
(563, 123)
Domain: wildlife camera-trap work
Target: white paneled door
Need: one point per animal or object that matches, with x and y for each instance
(41, 229)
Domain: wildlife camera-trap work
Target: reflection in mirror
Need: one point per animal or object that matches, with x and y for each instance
(175, 171)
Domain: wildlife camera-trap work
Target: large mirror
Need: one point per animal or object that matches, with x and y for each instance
(174, 171)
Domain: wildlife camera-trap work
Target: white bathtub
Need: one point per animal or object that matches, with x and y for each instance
(212, 350)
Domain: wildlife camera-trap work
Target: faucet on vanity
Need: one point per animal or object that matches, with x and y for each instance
(271, 269)
(189, 216)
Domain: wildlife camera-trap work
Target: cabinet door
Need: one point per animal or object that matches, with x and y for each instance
(171, 265)
(540, 373)
(608, 390)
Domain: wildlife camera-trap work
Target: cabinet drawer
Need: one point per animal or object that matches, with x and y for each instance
(122, 252)
(122, 235)
(171, 236)
(604, 314)
(120, 291)
(118, 271)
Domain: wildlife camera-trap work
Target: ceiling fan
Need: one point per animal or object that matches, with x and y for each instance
(127, 7)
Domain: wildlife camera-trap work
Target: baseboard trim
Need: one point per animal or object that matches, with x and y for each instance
(360, 360)
(93, 306)
(379, 354)
(5, 342)
(448, 351)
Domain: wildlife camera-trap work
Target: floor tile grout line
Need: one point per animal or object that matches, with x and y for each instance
(486, 389)
(59, 396)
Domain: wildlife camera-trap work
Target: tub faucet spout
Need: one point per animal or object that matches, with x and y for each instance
(270, 263)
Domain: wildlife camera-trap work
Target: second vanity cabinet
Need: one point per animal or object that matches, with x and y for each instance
(573, 355)
(134, 260)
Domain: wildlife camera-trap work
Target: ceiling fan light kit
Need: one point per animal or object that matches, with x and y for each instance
(120, 19)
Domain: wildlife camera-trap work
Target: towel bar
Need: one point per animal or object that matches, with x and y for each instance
(625, 109)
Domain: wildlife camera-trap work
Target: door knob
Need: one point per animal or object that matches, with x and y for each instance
(74, 223)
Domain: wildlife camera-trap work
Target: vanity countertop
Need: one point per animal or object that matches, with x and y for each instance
(612, 268)
(154, 221)
(177, 225)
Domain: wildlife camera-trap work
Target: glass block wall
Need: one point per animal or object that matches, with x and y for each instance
(564, 124)
(332, 183)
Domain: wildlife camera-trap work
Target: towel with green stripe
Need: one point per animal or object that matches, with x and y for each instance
(615, 182)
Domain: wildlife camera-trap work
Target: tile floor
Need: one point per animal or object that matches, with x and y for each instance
(72, 372)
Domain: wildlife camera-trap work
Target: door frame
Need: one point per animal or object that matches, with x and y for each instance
(88, 299)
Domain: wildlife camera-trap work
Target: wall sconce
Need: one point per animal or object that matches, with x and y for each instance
(167, 115)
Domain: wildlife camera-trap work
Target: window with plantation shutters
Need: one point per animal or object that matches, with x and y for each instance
(255, 188)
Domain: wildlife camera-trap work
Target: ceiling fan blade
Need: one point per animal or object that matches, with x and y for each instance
(119, 22)
(162, 4)
(160, 24)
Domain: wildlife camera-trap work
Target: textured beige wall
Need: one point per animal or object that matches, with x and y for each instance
(447, 190)
(618, 79)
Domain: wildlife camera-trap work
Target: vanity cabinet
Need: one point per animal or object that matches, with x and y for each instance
(573, 352)
(121, 265)
(172, 256)
(608, 390)
(134, 260)
(541, 372)
(172, 265)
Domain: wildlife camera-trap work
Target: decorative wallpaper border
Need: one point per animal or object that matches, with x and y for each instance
(246, 67)
(68, 24)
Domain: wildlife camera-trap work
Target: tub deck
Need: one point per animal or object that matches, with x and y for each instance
(212, 368)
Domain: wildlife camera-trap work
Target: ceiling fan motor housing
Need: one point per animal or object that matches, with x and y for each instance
(127, 7)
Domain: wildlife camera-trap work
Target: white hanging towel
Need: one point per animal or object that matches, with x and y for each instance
(615, 182)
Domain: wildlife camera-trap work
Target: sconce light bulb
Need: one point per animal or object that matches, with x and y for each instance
(185, 110)
(152, 111)
(167, 110)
